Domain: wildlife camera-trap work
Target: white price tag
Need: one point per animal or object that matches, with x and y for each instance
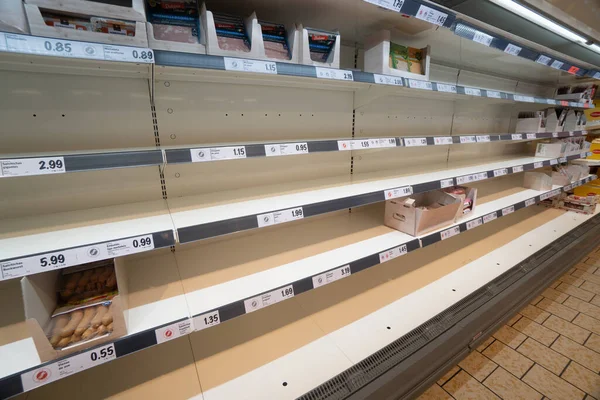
(527, 99)
(32, 166)
(529, 202)
(531, 136)
(482, 38)
(415, 142)
(398, 192)
(444, 183)
(388, 80)
(392, 253)
(279, 217)
(394, 5)
(448, 233)
(597, 75)
(551, 101)
(554, 134)
(267, 299)
(472, 91)
(363, 144)
(516, 136)
(471, 178)
(546, 196)
(218, 153)
(562, 160)
(430, 15)
(2, 42)
(542, 59)
(331, 276)
(500, 172)
(567, 188)
(553, 161)
(337, 74)
(490, 217)
(344, 145)
(557, 64)
(583, 155)
(442, 87)
(244, 65)
(81, 255)
(571, 133)
(420, 84)
(508, 210)
(387, 142)
(173, 331)
(474, 223)
(443, 140)
(207, 320)
(512, 49)
(482, 138)
(517, 168)
(128, 54)
(286, 149)
(584, 133)
(538, 164)
(468, 139)
(493, 94)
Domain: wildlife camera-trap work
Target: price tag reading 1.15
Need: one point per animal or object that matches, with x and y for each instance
(32, 166)
(218, 153)
(279, 217)
(243, 65)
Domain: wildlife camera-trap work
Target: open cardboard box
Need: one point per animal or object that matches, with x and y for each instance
(407, 214)
(40, 299)
(537, 181)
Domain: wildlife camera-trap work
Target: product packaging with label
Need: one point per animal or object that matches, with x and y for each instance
(320, 44)
(231, 33)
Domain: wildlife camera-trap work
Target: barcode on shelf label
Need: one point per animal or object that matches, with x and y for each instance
(388, 80)
(508, 210)
(471, 178)
(218, 153)
(474, 223)
(392, 253)
(244, 65)
(68, 366)
(482, 38)
(517, 168)
(538, 164)
(562, 160)
(516, 136)
(444, 183)
(529, 202)
(550, 194)
(331, 276)
(337, 74)
(430, 15)
(398, 192)
(420, 84)
(490, 217)
(442, 87)
(286, 149)
(542, 59)
(512, 49)
(66, 258)
(32, 166)
(414, 142)
(207, 320)
(468, 139)
(442, 140)
(75, 49)
(279, 217)
(557, 64)
(448, 233)
(482, 138)
(173, 331)
(554, 134)
(394, 5)
(527, 99)
(500, 172)
(267, 299)
(553, 161)
(493, 94)
(531, 136)
(472, 91)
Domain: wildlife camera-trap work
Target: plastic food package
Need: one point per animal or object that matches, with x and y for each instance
(320, 44)
(406, 58)
(113, 26)
(173, 33)
(67, 22)
(175, 20)
(231, 33)
(80, 325)
(173, 7)
(275, 41)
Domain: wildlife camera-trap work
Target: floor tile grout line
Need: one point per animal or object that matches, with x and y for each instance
(453, 375)
(520, 380)
(481, 352)
(565, 368)
(586, 393)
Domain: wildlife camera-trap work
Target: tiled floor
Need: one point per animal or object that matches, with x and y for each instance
(550, 350)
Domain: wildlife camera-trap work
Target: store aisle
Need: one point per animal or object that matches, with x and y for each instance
(549, 350)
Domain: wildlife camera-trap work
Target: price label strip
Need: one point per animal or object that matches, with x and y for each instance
(472, 91)
(270, 298)
(468, 139)
(500, 172)
(65, 258)
(517, 168)
(392, 253)
(218, 153)
(474, 223)
(493, 94)
(279, 217)
(483, 138)
(527, 99)
(444, 140)
(513, 49)
(394, 5)
(388, 80)
(508, 210)
(331, 276)
(415, 142)
(286, 149)
(471, 178)
(244, 65)
(448, 233)
(482, 38)
(75, 49)
(337, 74)
(530, 202)
(490, 217)
(207, 320)
(442, 87)
(423, 85)
(174, 331)
(398, 192)
(444, 183)
(430, 15)
(32, 166)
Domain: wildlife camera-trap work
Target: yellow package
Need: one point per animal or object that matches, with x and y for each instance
(587, 190)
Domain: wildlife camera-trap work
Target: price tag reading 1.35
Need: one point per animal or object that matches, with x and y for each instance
(218, 153)
(243, 65)
(267, 299)
(330, 73)
(286, 149)
(279, 217)
(32, 166)
(207, 320)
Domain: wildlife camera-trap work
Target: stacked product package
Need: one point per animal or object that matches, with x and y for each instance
(320, 44)
(275, 41)
(93, 24)
(231, 33)
(406, 59)
(175, 20)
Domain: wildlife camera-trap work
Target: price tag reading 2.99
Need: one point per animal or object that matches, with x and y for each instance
(32, 166)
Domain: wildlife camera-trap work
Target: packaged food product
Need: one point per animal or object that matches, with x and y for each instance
(113, 26)
(320, 44)
(173, 7)
(275, 41)
(80, 325)
(67, 21)
(173, 33)
(406, 58)
(231, 33)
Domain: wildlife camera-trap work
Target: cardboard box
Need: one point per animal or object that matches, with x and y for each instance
(423, 212)
(468, 199)
(553, 150)
(537, 181)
